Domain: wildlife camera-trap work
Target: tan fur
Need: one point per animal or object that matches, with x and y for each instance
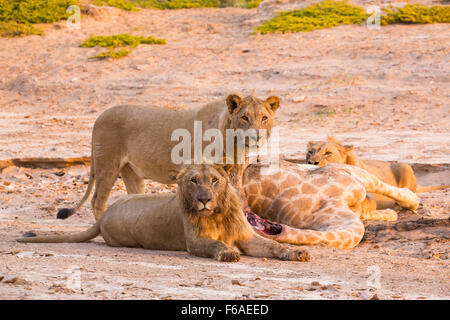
(216, 229)
(331, 209)
(135, 142)
(398, 174)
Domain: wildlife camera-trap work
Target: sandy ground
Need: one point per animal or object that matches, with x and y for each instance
(386, 91)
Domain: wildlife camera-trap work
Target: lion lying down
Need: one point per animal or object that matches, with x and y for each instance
(397, 174)
(205, 218)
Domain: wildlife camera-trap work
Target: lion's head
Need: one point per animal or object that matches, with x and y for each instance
(204, 189)
(252, 113)
(321, 153)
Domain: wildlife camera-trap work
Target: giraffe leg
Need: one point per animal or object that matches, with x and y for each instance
(382, 215)
(403, 196)
(334, 224)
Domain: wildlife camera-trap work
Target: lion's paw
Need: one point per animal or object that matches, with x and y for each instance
(228, 255)
(295, 255)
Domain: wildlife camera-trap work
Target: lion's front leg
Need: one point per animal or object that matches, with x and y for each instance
(208, 248)
(259, 246)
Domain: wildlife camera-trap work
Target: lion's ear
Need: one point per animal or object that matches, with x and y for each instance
(346, 148)
(274, 102)
(234, 103)
(311, 144)
(180, 174)
(223, 169)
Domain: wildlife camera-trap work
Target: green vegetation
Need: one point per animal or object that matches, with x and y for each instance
(17, 16)
(14, 29)
(120, 40)
(112, 54)
(34, 11)
(122, 4)
(330, 13)
(180, 4)
(117, 41)
(320, 15)
(416, 13)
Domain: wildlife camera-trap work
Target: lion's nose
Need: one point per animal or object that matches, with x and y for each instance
(313, 162)
(204, 199)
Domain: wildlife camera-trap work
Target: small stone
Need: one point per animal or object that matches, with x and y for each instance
(25, 254)
(237, 283)
(299, 99)
(375, 297)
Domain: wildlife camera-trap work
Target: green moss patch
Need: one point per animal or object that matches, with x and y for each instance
(183, 4)
(17, 16)
(112, 54)
(415, 13)
(34, 11)
(122, 4)
(330, 13)
(14, 29)
(320, 15)
(117, 41)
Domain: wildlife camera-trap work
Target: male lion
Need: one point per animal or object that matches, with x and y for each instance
(397, 174)
(205, 218)
(135, 142)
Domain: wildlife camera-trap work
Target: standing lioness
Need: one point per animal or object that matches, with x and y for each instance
(205, 218)
(135, 142)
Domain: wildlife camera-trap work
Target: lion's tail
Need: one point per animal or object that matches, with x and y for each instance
(431, 188)
(86, 235)
(64, 213)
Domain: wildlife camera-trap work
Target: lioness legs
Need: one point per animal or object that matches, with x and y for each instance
(368, 211)
(103, 185)
(134, 183)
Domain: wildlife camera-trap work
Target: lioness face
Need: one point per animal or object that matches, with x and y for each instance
(201, 187)
(321, 153)
(253, 113)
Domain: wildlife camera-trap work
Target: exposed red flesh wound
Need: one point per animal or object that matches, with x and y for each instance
(266, 226)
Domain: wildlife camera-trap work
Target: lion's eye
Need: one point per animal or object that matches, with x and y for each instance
(214, 180)
(328, 153)
(264, 118)
(244, 118)
(310, 151)
(194, 181)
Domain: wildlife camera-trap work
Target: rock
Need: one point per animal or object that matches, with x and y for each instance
(14, 280)
(299, 99)
(25, 254)
(237, 283)
(375, 297)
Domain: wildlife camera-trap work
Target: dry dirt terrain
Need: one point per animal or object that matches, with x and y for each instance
(386, 91)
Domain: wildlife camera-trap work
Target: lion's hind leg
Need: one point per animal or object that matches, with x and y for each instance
(134, 183)
(368, 211)
(403, 196)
